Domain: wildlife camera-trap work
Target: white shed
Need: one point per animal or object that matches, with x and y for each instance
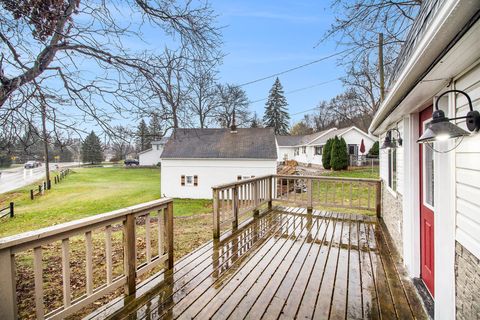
(151, 157)
(195, 160)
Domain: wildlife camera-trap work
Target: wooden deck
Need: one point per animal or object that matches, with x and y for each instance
(285, 264)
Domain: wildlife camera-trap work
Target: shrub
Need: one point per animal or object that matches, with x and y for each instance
(374, 150)
(339, 154)
(326, 152)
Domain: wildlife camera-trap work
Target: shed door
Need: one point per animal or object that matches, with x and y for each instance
(426, 207)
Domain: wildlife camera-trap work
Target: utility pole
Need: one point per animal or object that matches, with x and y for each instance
(380, 66)
(45, 143)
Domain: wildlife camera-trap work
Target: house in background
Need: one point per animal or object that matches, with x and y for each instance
(195, 160)
(431, 191)
(308, 149)
(151, 157)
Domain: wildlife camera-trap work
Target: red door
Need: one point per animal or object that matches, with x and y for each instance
(426, 207)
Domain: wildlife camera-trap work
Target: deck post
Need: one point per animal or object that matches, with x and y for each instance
(235, 207)
(169, 232)
(255, 198)
(309, 196)
(270, 193)
(8, 294)
(129, 253)
(216, 214)
(378, 198)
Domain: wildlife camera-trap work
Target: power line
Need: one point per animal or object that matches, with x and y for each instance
(294, 68)
(301, 89)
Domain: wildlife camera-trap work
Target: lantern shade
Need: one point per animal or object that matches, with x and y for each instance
(440, 131)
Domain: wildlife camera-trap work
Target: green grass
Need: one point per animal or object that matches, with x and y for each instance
(363, 172)
(89, 191)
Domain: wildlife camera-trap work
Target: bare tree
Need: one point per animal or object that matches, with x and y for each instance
(77, 50)
(357, 24)
(121, 142)
(202, 94)
(231, 97)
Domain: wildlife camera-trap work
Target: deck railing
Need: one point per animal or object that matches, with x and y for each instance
(153, 216)
(233, 201)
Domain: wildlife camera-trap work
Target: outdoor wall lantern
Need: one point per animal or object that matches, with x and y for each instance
(390, 141)
(441, 129)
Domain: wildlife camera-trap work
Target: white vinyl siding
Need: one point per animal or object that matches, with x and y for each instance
(467, 162)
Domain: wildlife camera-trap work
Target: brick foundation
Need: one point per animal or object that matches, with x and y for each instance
(467, 283)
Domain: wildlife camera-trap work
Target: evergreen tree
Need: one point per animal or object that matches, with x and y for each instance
(374, 150)
(255, 121)
(154, 129)
(276, 115)
(142, 139)
(92, 149)
(339, 155)
(326, 152)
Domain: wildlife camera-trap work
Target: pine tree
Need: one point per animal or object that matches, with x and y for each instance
(255, 121)
(276, 115)
(326, 154)
(374, 150)
(339, 156)
(155, 129)
(142, 139)
(92, 149)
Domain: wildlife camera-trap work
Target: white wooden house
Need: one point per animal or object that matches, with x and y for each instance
(431, 193)
(195, 160)
(151, 157)
(308, 149)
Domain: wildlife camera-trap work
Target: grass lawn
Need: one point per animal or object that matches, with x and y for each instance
(354, 172)
(89, 191)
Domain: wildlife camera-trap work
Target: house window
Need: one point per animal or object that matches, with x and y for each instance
(296, 152)
(158, 147)
(244, 177)
(392, 169)
(304, 150)
(318, 150)
(428, 181)
(189, 180)
(352, 149)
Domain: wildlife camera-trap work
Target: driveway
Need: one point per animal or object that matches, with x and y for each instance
(14, 178)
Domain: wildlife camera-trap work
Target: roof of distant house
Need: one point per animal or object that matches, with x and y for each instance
(246, 143)
(317, 138)
(290, 141)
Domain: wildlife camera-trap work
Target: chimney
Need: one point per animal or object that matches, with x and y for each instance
(233, 127)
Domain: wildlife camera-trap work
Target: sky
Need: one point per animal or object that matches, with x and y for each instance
(262, 38)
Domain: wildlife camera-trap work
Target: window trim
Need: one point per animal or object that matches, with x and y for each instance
(390, 172)
(424, 180)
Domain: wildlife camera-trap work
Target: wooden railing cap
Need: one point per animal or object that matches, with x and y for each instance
(240, 182)
(31, 236)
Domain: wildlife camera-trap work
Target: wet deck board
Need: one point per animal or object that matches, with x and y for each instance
(286, 264)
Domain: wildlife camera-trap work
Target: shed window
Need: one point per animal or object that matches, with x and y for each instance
(189, 180)
(304, 150)
(318, 150)
(392, 169)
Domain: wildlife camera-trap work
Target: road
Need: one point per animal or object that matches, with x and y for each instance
(14, 178)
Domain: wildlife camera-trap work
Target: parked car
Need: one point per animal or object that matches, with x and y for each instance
(31, 164)
(131, 162)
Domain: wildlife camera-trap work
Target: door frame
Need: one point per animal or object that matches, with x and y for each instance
(422, 199)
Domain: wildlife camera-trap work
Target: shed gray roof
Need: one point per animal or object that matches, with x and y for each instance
(247, 143)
